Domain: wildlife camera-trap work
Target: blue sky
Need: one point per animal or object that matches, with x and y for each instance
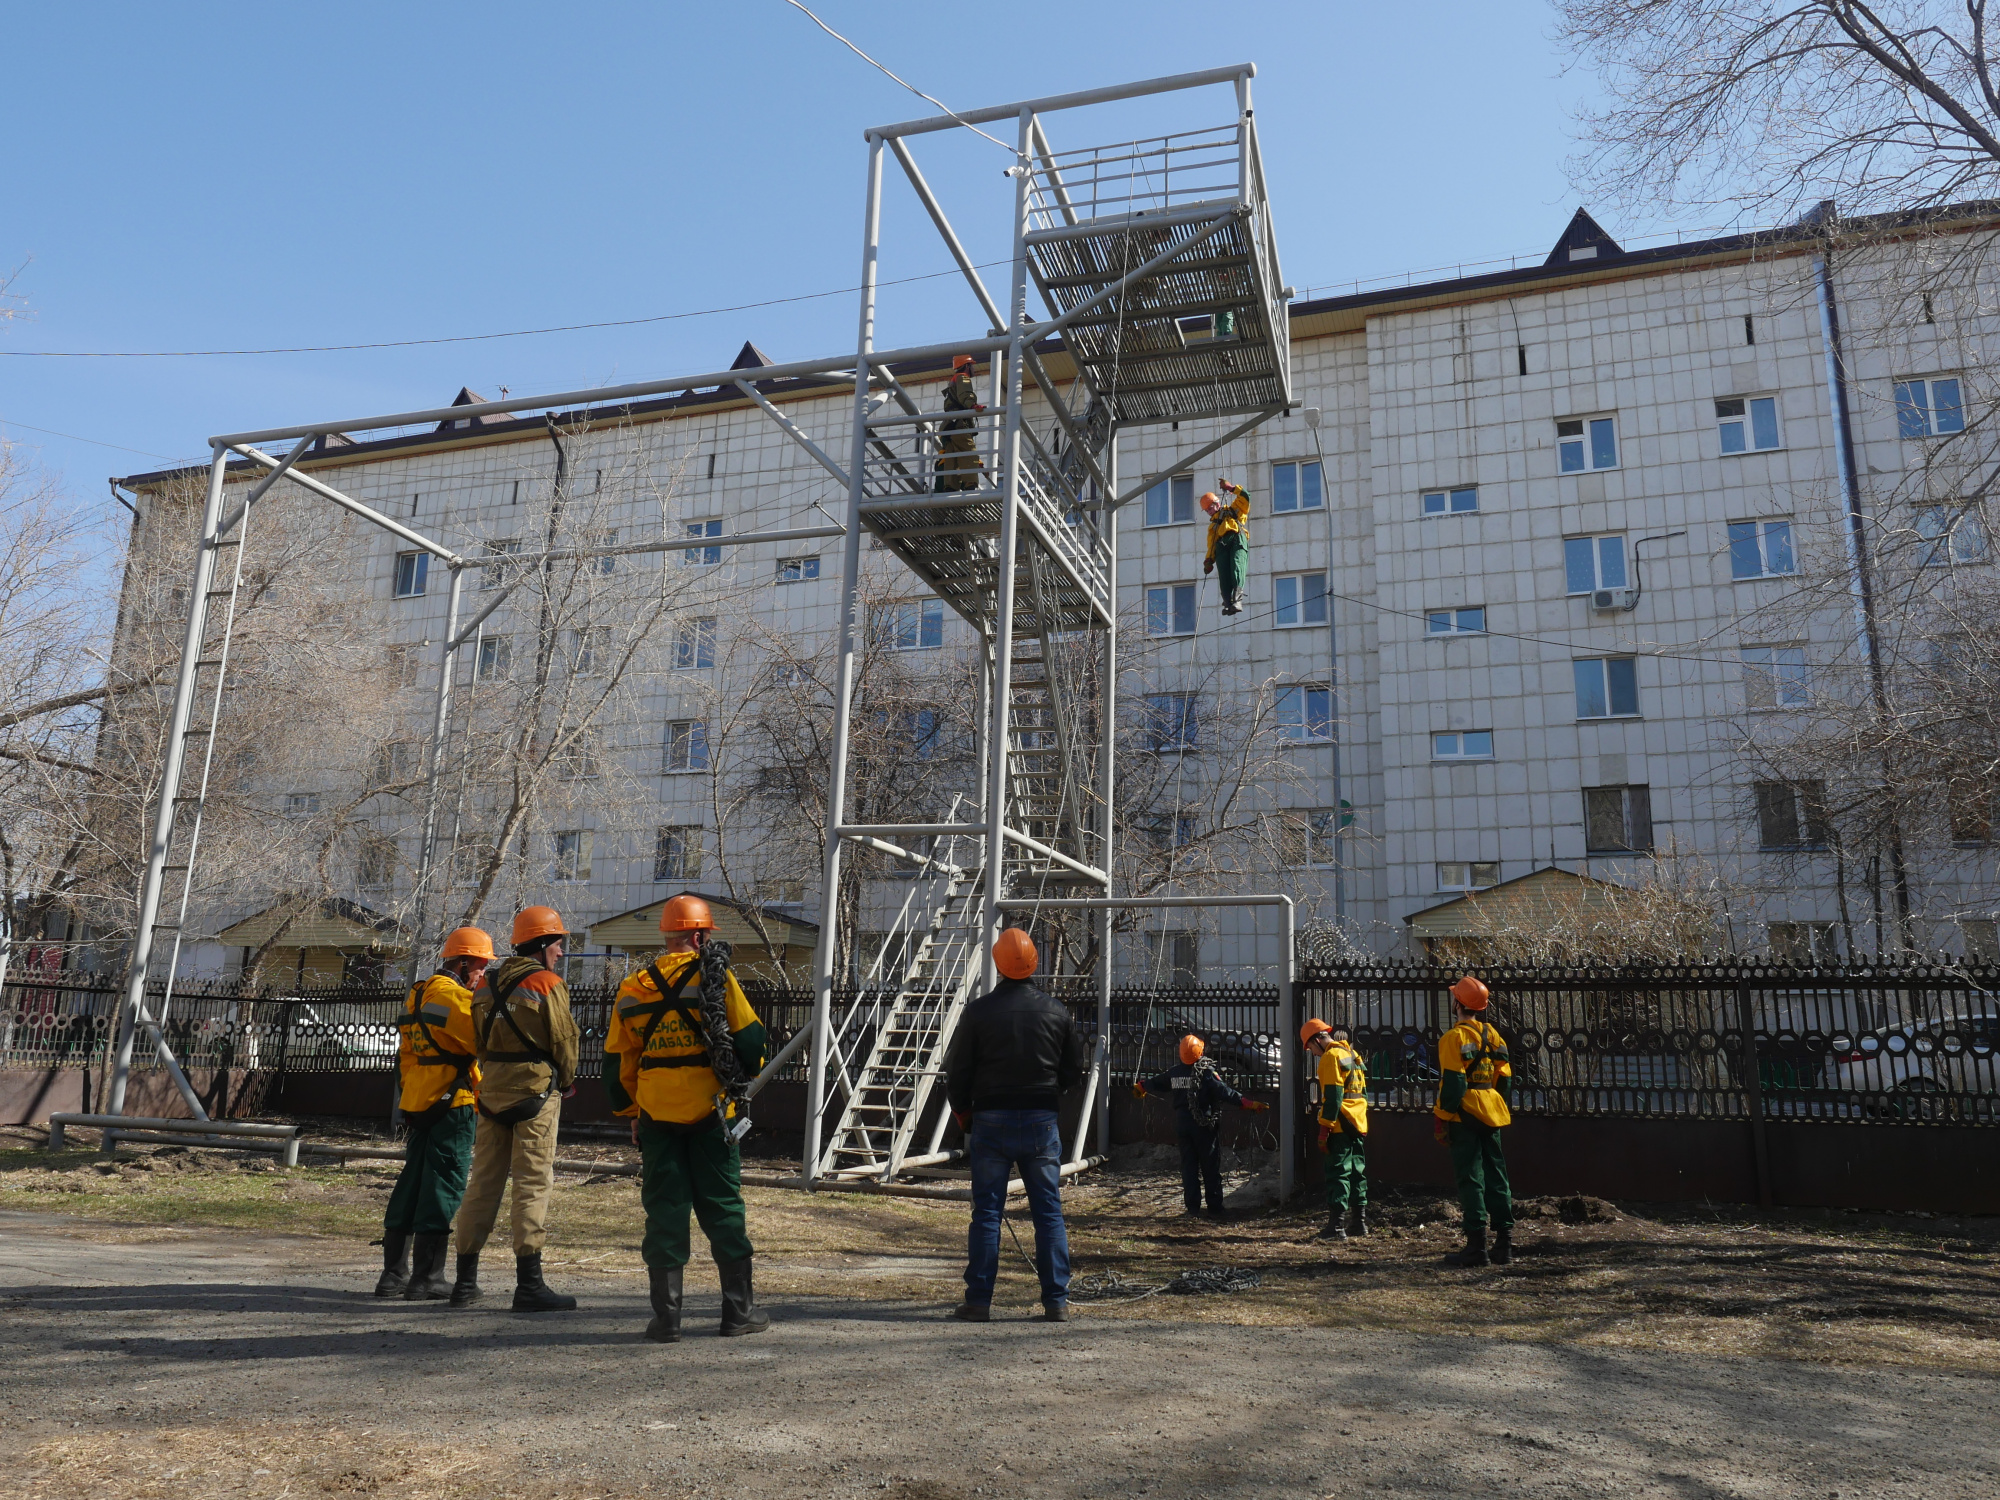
(221, 176)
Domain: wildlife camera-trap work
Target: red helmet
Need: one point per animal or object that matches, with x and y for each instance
(1470, 994)
(1192, 1048)
(1014, 954)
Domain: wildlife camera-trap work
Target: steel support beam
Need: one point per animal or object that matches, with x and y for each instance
(1032, 107)
(1185, 462)
(948, 234)
(348, 503)
(793, 431)
(434, 773)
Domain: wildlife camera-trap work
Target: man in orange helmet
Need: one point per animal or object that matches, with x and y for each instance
(682, 1042)
(1228, 542)
(1475, 1081)
(437, 1061)
(1015, 1053)
(1199, 1093)
(527, 1056)
(958, 463)
(1343, 1126)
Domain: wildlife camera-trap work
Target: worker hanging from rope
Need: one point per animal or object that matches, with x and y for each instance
(1343, 1127)
(439, 1068)
(958, 447)
(682, 1045)
(1475, 1081)
(1228, 542)
(1199, 1093)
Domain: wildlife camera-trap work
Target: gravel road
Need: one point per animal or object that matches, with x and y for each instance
(190, 1364)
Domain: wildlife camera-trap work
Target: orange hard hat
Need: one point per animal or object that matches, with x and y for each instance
(1209, 503)
(686, 914)
(1192, 1048)
(1014, 954)
(960, 361)
(1469, 993)
(468, 942)
(537, 922)
(1312, 1029)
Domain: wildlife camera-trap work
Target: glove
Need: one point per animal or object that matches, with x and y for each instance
(962, 1120)
(1439, 1133)
(1325, 1130)
(1208, 566)
(1138, 1090)
(1257, 1106)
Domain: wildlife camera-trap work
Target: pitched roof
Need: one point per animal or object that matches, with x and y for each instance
(750, 357)
(639, 928)
(467, 396)
(331, 923)
(1583, 239)
(1526, 899)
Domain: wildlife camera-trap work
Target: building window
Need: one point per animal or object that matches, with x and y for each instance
(1300, 598)
(1950, 534)
(589, 650)
(1928, 408)
(1803, 945)
(571, 848)
(1462, 744)
(1791, 814)
(398, 763)
(406, 666)
(1761, 549)
(797, 569)
(1607, 687)
(376, 868)
(608, 563)
(1308, 838)
(1617, 819)
(1305, 713)
(1586, 443)
(1456, 621)
(687, 745)
(694, 646)
(1295, 486)
(919, 731)
(301, 804)
(1170, 609)
(472, 857)
(1171, 501)
(910, 624)
(1451, 502)
(575, 762)
(496, 655)
(702, 557)
(1747, 425)
(1467, 875)
(1775, 677)
(1593, 562)
(1174, 957)
(494, 574)
(1172, 721)
(412, 568)
(677, 852)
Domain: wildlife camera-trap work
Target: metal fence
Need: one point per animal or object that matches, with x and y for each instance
(1913, 1042)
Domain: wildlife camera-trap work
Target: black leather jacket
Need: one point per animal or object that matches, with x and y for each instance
(1014, 1049)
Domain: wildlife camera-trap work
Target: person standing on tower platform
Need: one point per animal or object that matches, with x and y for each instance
(682, 1042)
(1228, 542)
(437, 1059)
(1343, 1127)
(1200, 1095)
(527, 1056)
(958, 447)
(1475, 1082)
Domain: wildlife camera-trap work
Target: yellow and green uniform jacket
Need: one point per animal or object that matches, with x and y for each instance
(1235, 516)
(1474, 1076)
(531, 1048)
(1343, 1089)
(439, 1047)
(666, 1075)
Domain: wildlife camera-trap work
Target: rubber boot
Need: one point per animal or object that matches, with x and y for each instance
(666, 1292)
(1474, 1253)
(465, 1285)
(531, 1293)
(395, 1263)
(427, 1283)
(1333, 1229)
(740, 1313)
(1360, 1225)
(1503, 1247)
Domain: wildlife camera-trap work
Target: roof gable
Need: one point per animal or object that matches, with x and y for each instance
(1524, 899)
(1583, 239)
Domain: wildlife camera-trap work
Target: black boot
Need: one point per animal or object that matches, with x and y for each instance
(666, 1291)
(427, 1283)
(1503, 1247)
(1333, 1230)
(1360, 1225)
(1474, 1253)
(531, 1293)
(740, 1312)
(465, 1285)
(395, 1263)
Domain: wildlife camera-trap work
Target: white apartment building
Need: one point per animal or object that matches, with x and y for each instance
(1529, 554)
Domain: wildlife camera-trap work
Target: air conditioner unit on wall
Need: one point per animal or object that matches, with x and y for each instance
(1606, 600)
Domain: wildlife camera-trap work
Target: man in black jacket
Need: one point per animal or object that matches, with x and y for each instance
(1014, 1055)
(1199, 1094)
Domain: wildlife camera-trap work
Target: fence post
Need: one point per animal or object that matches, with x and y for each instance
(1753, 1091)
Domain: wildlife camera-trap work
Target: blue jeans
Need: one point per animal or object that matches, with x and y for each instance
(999, 1140)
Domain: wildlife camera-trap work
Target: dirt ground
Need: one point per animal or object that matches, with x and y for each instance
(194, 1323)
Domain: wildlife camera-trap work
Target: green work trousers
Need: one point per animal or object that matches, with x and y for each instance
(690, 1167)
(1346, 1171)
(1482, 1175)
(436, 1159)
(1232, 563)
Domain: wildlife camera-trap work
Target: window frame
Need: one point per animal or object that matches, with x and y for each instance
(922, 615)
(694, 644)
(1745, 423)
(1947, 525)
(1174, 595)
(702, 557)
(1454, 614)
(1172, 492)
(1302, 605)
(1597, 539)
(1447, 501)
(1292, 705)
(1471, 867)
(1760, 531)
(577, 862)
(412, 573)
(678, 850)
(1779, 678)
(1308, 838)
(493, 661)
(807, 569)
(1805, 811)
(687, 740)
(1589, 430)
(1634, 817)
(494, 574)
(1298, 468)
(1458, 753)
(1925, 411)
(1185, 712)
(1607, 691)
